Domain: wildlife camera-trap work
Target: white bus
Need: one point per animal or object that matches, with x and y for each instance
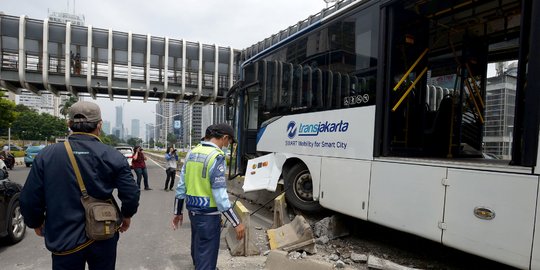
(383, 110)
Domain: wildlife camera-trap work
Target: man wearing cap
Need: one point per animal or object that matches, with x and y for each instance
(204, 188)
(51, 198)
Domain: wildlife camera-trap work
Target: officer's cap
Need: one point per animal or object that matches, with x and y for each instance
(218, 130)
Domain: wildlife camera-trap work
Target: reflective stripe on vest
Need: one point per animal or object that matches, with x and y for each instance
(197, 177)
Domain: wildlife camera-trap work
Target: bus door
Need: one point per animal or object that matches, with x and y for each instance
(242, 110)
(407, 64)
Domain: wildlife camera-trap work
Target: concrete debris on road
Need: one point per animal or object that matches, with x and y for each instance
(340, 264)
(331, 227)
(297, 235)
(382, 264)
(323, 240)
(278, 260)
(358, 258)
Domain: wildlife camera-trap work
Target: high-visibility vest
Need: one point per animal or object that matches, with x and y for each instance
(197, 175)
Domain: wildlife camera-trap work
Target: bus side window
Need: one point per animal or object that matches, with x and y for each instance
(286, 87)
(270, 86)
(337, 90)
(328, 85)
(316, 89)
(307, 95)
(297, 88)
(345, 93)
(276, 97)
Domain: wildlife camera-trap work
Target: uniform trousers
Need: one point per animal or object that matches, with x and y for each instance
(205, 235)
(100, 255)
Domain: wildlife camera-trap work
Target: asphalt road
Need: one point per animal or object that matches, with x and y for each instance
(150, 243)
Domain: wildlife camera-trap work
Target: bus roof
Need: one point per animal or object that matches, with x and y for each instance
(264, 46)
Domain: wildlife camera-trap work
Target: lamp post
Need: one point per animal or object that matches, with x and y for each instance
(165, 117)
(9, 137)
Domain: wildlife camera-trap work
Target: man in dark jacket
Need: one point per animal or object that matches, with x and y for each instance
(51, 198)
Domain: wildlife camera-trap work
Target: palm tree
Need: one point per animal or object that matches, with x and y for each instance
(64, 108)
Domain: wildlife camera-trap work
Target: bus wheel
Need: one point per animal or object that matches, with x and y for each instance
(299, 189)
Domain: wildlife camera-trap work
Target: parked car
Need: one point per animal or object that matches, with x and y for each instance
(127, 151)
(13, 147)
(31, 153)
(12, 225)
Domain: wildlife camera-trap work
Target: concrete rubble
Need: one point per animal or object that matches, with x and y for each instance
(296, 235)
(332, 227)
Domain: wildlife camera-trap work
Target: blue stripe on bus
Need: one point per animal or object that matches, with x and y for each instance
(260, 133)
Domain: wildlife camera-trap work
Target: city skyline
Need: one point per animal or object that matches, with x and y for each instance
(200, 17)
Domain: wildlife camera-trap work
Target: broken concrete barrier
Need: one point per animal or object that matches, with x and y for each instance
(246, 246)
(332, 227)
(280, 212)
(296, 235)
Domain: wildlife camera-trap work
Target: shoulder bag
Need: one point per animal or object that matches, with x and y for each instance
(102, 217)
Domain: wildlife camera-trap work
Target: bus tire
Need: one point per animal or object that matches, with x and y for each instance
(299, 189)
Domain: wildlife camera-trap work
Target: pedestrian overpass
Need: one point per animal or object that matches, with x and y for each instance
(40, 55)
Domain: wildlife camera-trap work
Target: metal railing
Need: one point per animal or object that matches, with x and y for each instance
(301, 25)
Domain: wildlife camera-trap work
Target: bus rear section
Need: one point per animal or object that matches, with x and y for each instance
(397, 112)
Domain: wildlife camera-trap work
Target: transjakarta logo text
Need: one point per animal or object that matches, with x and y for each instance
(315, 129)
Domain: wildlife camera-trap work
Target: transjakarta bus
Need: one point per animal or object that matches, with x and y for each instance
(383, 110)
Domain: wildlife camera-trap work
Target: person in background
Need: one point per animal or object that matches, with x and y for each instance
(78, 64)
(204, 188)
(171, 158)
(50, 201)
(139, 166)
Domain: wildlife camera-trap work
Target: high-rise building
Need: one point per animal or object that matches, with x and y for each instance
(44, 103)
(106, 127)
(119, 125)
(499, 114)
(186, 121)
(197, 131)
(135, 126)
(149, 132)
(116, 132)
(212, 114)
(67, 16)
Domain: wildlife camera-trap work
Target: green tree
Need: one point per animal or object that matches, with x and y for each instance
(7, 112)
(52, 127)
(64, 107)
(26, 126)
(171, 138)
(134, 141)
(151, 143)
(110, 139)
(23, 109)
(31, 125)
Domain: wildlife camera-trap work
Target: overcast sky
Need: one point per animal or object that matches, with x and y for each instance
(234, 23)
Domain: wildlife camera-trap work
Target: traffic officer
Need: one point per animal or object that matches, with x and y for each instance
(203, 186)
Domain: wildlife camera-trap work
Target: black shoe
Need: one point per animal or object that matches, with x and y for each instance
(147, 188)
